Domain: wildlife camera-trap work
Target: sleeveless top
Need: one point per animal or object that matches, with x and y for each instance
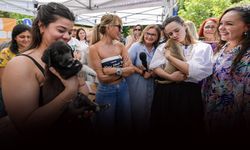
(114, 61)
(43, 72)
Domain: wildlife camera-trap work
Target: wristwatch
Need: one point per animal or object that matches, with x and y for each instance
(118, 71)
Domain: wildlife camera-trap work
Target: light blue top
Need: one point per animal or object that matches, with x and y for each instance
(141, 89)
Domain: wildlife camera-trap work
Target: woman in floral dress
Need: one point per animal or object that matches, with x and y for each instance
(226, 92)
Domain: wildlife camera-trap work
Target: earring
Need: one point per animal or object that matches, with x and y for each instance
(246, 34)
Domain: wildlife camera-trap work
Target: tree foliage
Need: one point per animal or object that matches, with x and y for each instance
(241, 2)
(199, 10)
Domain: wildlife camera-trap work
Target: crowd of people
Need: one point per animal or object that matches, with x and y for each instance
(207, 94)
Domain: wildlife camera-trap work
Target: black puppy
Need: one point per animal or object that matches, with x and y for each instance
(59, 56)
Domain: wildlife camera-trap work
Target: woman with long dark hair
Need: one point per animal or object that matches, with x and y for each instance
(227, 91)
(20, 40)
(23, 76)
(177, 108)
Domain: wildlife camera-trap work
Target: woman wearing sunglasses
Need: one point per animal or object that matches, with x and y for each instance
(134, 37)
(208, 32)
(111, 62)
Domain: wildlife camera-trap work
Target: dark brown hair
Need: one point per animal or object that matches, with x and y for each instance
(244, 12)
(47, 14)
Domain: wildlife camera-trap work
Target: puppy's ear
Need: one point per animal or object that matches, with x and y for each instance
(46, 58)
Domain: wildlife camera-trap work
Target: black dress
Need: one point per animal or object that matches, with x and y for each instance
(177, 110)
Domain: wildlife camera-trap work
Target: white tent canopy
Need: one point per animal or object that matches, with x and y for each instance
(89, 12)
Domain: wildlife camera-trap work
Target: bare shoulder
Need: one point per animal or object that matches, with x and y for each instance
(119, 44)
(20, 66)
(94, 48)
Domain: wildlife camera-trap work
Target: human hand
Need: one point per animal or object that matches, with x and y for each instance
(128, 71)
(77, 55)
(108, 70)
(126, 61)
(147, 75)
(178, 76)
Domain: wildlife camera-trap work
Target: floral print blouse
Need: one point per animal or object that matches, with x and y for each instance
(227, 96)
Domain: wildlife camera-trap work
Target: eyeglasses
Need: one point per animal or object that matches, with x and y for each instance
(209, 27)
(150, 34)
(118, 26)
(137, 29)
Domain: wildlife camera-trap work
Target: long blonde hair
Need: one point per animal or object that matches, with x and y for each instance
(100, 28)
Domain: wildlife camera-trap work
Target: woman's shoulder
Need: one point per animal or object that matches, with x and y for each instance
(202, 46)
(22, 61)
(19, 61)
(136, 45)
(5, 56)
(94, 47)
(161, 47)
(7, 51)
(118, 43)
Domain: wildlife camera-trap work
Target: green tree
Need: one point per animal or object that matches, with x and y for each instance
(240, 2)
(199, 10)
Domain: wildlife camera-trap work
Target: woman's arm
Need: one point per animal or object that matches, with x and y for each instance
(21, 78)
(95, 63)
(200, 65)
(128, 68)
(175, 76)
(179, 64)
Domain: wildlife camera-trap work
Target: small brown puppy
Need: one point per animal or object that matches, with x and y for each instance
(175, 51)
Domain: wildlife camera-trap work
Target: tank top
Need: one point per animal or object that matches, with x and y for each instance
(43, 72)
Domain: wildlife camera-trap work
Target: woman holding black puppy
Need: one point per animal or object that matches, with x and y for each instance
(53, 22)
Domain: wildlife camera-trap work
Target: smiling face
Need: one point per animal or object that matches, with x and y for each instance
(114, 30)
(23, 40)
(58, 30)
(232, 27)
(150, 36)
(209, 30)
(137, 31)
(82, 35)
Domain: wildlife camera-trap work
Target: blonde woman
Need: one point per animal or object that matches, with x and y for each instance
(111, 62)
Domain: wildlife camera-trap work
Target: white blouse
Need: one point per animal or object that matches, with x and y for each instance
(198, 56)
